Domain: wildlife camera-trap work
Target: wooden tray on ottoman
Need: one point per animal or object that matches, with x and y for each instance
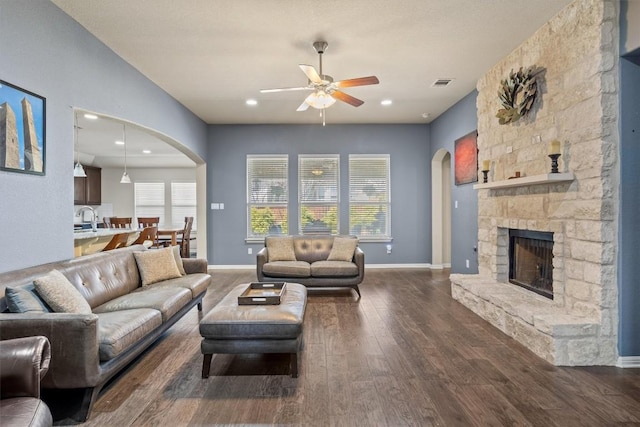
(262, 293)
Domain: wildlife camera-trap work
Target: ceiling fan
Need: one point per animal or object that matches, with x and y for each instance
(325, 90)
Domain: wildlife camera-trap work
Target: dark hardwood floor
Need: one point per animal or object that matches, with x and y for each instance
(406, 354)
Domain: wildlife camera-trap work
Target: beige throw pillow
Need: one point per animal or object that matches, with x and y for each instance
(57, 291)
(280, 249)
(343, 249)
(156, 265)
(178, 258)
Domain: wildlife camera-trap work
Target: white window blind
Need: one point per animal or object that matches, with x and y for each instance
(318, 194)
(183, 203)
(149, 199)
(267, 195)
(369, 196)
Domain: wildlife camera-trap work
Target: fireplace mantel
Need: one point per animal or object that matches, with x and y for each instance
(549, 178)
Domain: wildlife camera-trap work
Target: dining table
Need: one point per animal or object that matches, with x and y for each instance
(172, 233)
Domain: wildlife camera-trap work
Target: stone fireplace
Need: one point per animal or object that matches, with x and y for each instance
(571, 318)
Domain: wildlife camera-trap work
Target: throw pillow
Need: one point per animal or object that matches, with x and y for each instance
(24, 299)
(280, 249)
(343, 249)
(178, 258)
(57, 291)
(156, 265)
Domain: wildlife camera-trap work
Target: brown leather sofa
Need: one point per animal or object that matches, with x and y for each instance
(89, 349)
(23, 363)
(311, 267)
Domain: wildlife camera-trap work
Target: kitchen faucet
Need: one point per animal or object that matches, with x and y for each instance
(94, 216)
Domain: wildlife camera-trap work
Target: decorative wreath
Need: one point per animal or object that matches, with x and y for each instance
(517, 95)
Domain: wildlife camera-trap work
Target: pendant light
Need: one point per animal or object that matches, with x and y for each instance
(78, 170)
(125, 177)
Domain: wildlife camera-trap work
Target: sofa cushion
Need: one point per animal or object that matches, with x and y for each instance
(167, 301)
(120, 330)
(24, 299)
(343, 249)
(58, 292)
(156, 265)
(333, 269)
(197, 283)
(287, 269)
(280, 249)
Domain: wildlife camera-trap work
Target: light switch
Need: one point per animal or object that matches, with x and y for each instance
(455, 204)
(221, 206)
(215, 206)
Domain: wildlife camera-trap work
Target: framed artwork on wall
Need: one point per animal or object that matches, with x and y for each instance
(22, 130)
(466, 158)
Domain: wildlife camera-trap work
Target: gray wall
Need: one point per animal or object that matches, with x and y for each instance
(456, 122)
(408, 146)
(44, 51)
(629, 235)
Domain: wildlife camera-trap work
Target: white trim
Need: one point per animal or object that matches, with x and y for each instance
(628, 362)
(380, 266)
(232, 267)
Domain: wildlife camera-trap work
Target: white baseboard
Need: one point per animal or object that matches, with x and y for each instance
(232, 267)
(373, 266)
(628, 362)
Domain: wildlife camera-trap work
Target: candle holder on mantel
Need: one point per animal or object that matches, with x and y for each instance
(554, 162)
(485, 177)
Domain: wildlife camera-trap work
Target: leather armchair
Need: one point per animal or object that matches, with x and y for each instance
(23, 363)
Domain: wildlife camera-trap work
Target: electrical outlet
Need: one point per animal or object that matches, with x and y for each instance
(249, 251)
(389, 247)
(467, 262)
(509, 149)
(455, 204)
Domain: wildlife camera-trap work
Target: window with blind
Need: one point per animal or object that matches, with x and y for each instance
(267, 195)
(369, 196)
(149, 199)
(318, 194)
(183, 203)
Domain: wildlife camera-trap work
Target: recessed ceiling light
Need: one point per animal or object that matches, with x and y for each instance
(425, 115)
(119, 142)
(251, 102)
(146, 151)
(90, 116)
(386, 102)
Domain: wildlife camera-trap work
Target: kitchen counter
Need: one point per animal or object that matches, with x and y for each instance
(87, 241)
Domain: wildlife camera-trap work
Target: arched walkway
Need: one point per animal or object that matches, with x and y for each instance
(441, 209)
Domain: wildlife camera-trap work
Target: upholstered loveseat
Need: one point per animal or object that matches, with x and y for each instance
(119, 303)
(314, 261)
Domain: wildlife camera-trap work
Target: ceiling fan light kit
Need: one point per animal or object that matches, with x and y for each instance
(325, 90)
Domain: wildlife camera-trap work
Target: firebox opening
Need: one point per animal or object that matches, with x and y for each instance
(531, 261)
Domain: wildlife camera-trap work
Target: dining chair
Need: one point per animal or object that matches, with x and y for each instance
(148, 234)
(151, 221)
(117, 241)
(120, 222)
(185, 241)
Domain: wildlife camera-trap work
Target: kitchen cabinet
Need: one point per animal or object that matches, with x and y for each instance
(88, 191)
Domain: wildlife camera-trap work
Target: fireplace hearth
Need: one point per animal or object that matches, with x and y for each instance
(531, 261)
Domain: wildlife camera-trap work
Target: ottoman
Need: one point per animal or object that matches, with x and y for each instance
(236, 329)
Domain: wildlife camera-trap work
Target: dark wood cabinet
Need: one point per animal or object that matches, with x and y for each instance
(87, 191)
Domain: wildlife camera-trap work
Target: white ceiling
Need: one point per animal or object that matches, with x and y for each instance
(213, 55)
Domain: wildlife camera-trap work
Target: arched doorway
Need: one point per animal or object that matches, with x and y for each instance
(441, 209)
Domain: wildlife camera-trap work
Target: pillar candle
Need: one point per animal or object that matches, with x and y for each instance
(485, 165)
(554, 147)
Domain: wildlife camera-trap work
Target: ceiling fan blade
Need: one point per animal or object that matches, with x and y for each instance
(303, 106)
(311, 73)
(360, 81)
(347, 98)
(285, 89)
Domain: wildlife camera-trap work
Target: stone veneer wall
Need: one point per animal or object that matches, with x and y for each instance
(578, 105)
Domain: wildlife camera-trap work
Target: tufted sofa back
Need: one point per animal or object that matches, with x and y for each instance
(312, 248)
(99, 277)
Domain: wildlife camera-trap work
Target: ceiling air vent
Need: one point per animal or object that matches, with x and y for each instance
(442, 83)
